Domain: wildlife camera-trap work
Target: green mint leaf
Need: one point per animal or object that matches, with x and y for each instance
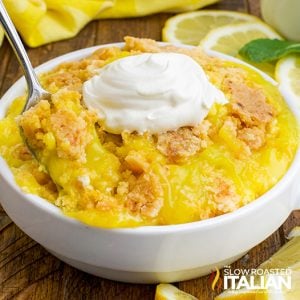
(262, 50)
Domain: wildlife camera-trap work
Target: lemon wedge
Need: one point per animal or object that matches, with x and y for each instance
(287, 73)
(294, 232)
(190, 28)
(170, 292)
(229, 39)
(287, 258)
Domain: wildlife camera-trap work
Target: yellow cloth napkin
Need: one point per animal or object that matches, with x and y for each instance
(44, 21)
(133, 8)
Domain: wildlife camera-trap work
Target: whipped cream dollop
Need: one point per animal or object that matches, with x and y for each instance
(153, 92)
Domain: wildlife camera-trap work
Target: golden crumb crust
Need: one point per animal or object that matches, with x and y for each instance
(238, 152)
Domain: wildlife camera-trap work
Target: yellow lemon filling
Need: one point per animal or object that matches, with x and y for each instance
(235, 155)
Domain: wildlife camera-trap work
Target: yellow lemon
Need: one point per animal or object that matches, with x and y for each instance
(287, 73)
(170, 292)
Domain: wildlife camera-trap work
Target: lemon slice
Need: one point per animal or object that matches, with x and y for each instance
(191, 28)
(295, 232)
(229, 39)
(170, 292)
(287, 73)
(288, 257)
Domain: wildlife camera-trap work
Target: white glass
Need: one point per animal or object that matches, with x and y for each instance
(284, 16)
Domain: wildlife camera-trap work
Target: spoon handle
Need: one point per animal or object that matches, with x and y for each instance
(34, 87)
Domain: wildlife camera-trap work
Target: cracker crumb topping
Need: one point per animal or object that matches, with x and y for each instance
(132, 178)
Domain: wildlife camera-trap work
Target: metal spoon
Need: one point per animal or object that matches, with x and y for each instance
(35, 91)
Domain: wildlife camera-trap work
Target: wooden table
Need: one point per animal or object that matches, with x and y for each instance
(27, 270)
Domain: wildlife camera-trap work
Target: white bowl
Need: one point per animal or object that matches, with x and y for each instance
(155, 253)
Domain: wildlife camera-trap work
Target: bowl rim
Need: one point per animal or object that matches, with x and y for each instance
(56, 212)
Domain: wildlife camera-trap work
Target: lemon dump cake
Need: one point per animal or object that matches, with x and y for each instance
(115, 178)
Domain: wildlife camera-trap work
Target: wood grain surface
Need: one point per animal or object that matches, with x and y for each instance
(27, 270)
